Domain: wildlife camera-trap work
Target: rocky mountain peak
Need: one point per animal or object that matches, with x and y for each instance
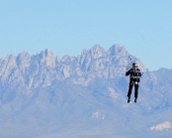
(97, 51)
(117, 50)
(48, 58)
(92, 63)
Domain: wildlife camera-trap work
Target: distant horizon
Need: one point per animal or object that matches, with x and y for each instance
(61, 55)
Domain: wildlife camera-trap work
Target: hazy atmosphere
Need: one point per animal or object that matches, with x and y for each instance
(67, 69)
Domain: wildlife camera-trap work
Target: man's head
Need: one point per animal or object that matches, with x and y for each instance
(134, 65)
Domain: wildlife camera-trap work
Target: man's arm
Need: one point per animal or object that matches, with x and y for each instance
(128, 72)
(139, 73)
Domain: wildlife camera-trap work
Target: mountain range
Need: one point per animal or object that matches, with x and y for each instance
(84, 96)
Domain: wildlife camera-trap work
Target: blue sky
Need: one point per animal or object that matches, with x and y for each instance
(144, 27)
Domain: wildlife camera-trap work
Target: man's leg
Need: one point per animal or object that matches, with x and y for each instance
(136, 92)
(129, 91)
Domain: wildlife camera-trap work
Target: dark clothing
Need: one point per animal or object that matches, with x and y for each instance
(135, 75)
(136, 86)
